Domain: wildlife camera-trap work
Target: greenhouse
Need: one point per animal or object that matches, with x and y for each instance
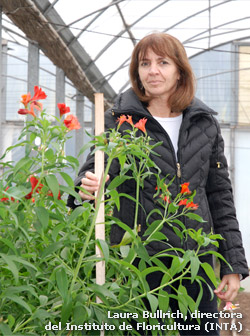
(75, 49)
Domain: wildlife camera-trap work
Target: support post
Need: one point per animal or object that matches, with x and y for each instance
(99, 170)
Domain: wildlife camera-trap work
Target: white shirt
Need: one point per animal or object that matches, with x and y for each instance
(172, 127)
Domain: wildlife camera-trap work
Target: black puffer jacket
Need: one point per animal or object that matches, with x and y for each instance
(202, 163)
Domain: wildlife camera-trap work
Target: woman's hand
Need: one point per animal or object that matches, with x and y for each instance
(229, 287)
(91, 184)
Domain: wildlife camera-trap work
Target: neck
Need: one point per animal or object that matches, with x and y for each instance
(160, 108)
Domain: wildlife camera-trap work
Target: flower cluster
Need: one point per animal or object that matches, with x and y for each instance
(37, 187)
(71, 121)
(140, 124)
(31, 103)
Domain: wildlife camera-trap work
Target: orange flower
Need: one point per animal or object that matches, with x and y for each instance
(185, 189)
(63, 109)
(39, 94)
(129, 120)
(192, 206)
(71, 122)
(26, 99)
(141, 125)
(121, 119)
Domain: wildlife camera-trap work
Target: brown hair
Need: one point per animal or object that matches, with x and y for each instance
(165, 45)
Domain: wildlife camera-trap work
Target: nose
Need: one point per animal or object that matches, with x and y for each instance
(153, 68)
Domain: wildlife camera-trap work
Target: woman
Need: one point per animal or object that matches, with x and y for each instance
(192, 149)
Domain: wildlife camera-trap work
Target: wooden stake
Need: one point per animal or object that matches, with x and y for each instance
(99, 170)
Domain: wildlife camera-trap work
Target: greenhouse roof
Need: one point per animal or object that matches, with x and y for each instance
(100, 34)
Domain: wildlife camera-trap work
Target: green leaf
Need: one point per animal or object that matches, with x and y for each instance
(142, 252)
(210, 272)
(19, 301)
(115, 197)
(75, 213)
(41, 314)
(49, 154)
(71, 191)
(43, 216)
(84, 148)
(195, 265)
(153, 301)
(67, 179)
(8, 243)
(103, 292)
(182, 299)
(122, 160)
(102, 244)
(51, 249)
(5, 329)
(195, 217)
(62, 282)
(154, 227)
(66, 310)
(11, 320)
(158, 236)
(18, 191)
(118, 180)
(18, 289)
(25, 163)
(53, 185)
(163, 299)
(23, 262)
(11, 265)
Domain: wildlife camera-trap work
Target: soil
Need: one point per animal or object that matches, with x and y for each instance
(243, 299)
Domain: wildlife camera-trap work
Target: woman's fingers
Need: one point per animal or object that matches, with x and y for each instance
(91, 184)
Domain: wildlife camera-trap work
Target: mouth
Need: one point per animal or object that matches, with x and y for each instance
(154, 82)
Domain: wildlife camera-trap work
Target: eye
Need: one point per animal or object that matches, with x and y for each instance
(144, 63)
(164, 62)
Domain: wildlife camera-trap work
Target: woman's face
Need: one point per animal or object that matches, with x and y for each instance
(158, 75)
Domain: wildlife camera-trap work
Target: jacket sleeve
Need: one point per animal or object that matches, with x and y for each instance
(221, 203)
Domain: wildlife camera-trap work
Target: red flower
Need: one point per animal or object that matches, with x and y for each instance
(166, 199)
(34, 182)
(26, 111)
(6, 199)
(183, 202)
(192, 206)
(63, 109)
(141, 125)
(51, 194)
(39, 94)
(71, 122)
(185, 189)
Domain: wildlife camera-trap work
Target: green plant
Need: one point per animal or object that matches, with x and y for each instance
(47, 253)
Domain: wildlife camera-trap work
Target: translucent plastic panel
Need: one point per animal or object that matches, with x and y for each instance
(242, 184)
(244, 85)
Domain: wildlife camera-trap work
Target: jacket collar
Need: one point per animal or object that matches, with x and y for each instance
(129, 102)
